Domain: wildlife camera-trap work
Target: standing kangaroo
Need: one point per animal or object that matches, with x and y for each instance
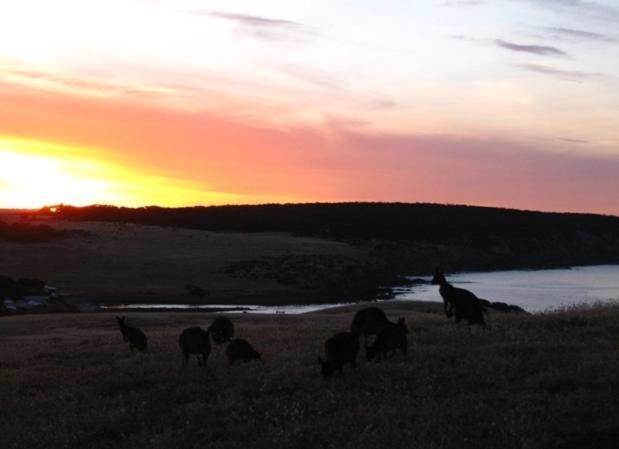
(134, 336)
(194, 340)
(371, 320)
(459, 302)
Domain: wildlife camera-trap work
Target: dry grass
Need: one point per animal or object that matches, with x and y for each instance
(546, 381)
(128, 263)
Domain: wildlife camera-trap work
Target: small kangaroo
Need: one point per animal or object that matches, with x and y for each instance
(340, 349)
(459, 302)
(222, 330)
(241, 350)
(194, 340)
(388, 340)
(371, 320)
(134, 336)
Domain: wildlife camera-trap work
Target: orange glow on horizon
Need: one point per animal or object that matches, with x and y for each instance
(36, 173)
(131, 154)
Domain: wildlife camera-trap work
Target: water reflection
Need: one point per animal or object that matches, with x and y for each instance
(229, 308)
(533, 290)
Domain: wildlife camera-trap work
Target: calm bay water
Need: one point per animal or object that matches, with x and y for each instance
(533, 290)
(226, 308)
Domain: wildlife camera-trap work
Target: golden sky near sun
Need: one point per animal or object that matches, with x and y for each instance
(36, 173)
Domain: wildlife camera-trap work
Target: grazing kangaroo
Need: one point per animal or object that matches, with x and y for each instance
(459, 302)
(194, 340)
(340, 349)
(388, 340)
(133, 335)
(222, 330)
(371, 320)
(241, 350)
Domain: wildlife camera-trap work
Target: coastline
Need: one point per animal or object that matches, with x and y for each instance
(112, 263)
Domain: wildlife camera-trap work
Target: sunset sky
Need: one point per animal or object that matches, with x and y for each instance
(510, 103)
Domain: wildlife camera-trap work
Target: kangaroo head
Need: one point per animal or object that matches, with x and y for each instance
(439, 277)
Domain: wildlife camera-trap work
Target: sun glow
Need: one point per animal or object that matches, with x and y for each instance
(34, 174)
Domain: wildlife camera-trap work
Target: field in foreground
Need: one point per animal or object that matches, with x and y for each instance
(539, 381)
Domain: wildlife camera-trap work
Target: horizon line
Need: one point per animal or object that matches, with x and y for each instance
(310, 203)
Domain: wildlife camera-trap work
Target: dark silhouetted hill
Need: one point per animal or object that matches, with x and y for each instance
(409, 237)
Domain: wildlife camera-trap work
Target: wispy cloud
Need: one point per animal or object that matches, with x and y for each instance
(576, 141)
(568, 75)
(382, 103)
(76, 85)
(542, 50)
(461, 3)
(265, 28)
(581, 7)
(574, 34)
(314, 77)
(329, 83)
(254, 21)
(462, 37)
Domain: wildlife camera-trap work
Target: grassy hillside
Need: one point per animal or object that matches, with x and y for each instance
(546, 381)
(406, 237)
(128, 263)
(34, 233)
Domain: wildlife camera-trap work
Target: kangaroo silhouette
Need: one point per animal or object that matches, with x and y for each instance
(241, 350)
(134, 336)
(458, 302)
(222, 330)
(388, 340)
(371, 320)
(340, 349)
(196, 341)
